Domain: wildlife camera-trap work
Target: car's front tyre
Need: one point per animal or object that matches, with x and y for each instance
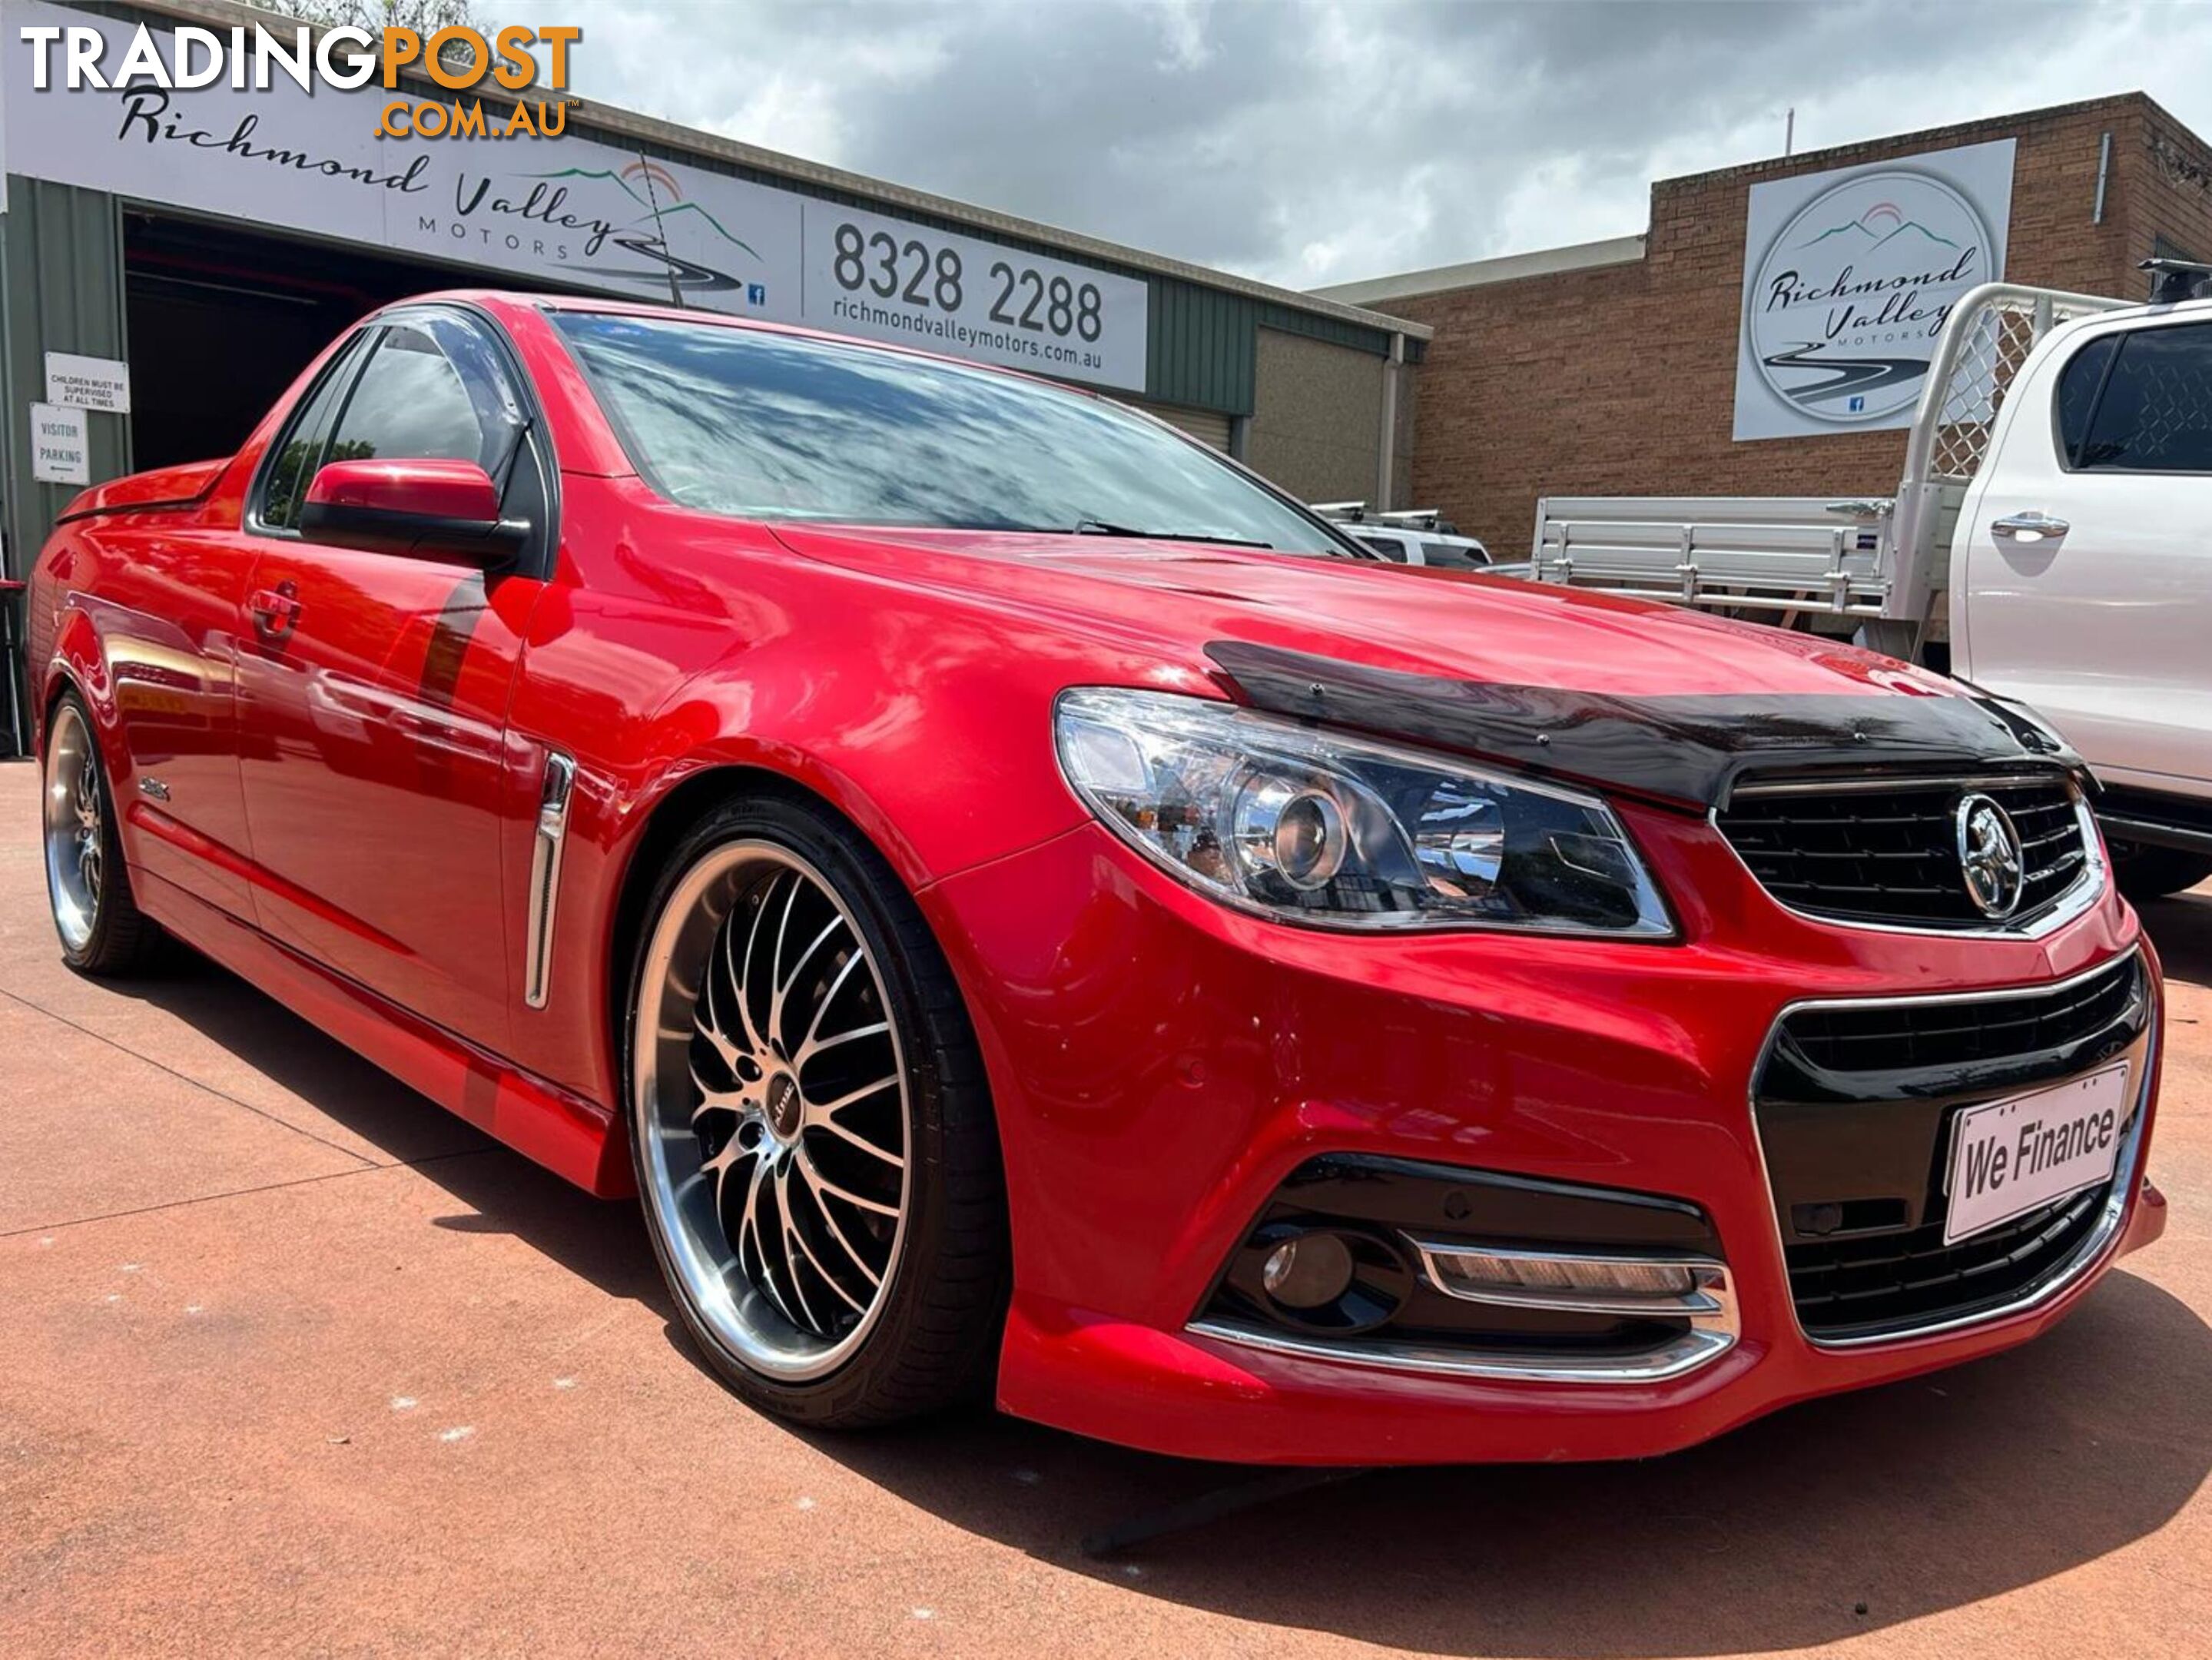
(102, 930)
(812, 1128)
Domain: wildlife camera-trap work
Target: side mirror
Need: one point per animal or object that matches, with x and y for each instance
(423, 509)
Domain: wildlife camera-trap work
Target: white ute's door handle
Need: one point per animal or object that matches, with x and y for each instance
(2029, 527)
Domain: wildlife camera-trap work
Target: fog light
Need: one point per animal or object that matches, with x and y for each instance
(1309, 1272)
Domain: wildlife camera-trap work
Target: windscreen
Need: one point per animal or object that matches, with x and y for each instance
(769, 426)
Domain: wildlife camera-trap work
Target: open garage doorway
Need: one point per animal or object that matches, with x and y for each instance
(220, 319)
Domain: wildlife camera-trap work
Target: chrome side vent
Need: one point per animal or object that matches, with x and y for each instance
(554, 794)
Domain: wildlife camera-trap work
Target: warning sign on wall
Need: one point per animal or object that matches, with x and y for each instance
(90, 383)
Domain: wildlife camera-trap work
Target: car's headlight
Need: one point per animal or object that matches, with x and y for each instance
(1317, 826)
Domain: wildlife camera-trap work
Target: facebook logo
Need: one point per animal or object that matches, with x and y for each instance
(755, 294)
(1856, 406)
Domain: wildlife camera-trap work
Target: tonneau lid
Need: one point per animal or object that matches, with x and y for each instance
(181, 486)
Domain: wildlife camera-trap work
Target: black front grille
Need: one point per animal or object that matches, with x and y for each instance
(1856, 1287)
(1856, 1104)
(1891, 854)
(2028, 1037)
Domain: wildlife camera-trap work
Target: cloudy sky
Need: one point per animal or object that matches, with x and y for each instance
(1307, 142)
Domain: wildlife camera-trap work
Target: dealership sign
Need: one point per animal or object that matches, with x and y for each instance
(566, 211)
(1848, 277)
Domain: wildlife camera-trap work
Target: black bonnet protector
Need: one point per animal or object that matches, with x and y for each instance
(1686, 751)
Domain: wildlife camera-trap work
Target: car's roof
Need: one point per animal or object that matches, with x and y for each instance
(2199, 309)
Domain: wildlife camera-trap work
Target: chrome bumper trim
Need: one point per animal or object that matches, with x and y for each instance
(1711, 1308)
(1690, 1352)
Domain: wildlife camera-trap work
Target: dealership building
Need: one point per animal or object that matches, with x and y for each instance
(203, 244)
(1645, 365)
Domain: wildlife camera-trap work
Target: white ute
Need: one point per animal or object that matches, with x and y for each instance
(2051, 541)
(1416, 537)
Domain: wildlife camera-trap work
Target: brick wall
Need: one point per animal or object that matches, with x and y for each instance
(2172, 198)
(1621, 380)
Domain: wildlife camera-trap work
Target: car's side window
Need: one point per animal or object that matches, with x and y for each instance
(1394, 551)
(2079, 383)
(299, 450)
(430, 392)
(2154, 414)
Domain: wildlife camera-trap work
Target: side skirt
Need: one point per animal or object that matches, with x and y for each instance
(569, 1135)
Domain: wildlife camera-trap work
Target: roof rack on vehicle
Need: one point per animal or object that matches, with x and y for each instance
(1418, 519)
(1350, 513)
(2178, 280)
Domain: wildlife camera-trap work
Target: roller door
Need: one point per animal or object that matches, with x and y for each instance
(1207, 426)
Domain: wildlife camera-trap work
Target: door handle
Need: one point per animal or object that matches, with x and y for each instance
(276, 611)
(2029, 527)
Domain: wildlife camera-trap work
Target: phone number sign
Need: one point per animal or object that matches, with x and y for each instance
(889, 280)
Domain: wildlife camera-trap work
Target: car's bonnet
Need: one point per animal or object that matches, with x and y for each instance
(1498, 630)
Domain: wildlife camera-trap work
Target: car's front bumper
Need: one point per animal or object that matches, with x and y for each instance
(1161, 1066)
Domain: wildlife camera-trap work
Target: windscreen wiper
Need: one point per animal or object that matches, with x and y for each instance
(1102, 527)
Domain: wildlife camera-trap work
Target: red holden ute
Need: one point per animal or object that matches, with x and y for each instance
(1028, 908)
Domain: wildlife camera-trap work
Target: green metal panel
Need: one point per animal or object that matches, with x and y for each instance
(1200, 352)
(61, 289)
(1337, 331)
(1203, 341)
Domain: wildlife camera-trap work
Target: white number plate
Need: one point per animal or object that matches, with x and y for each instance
(2009, 1157)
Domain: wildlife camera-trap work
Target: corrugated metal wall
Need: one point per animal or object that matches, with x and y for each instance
(1199, 354)
(61, 289)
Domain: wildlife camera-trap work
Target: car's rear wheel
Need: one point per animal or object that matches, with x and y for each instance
(2148, 872)
(102, 930)
(812, 1132)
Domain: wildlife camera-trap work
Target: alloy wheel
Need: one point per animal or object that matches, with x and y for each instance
(76, 829)
(774, 1112)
